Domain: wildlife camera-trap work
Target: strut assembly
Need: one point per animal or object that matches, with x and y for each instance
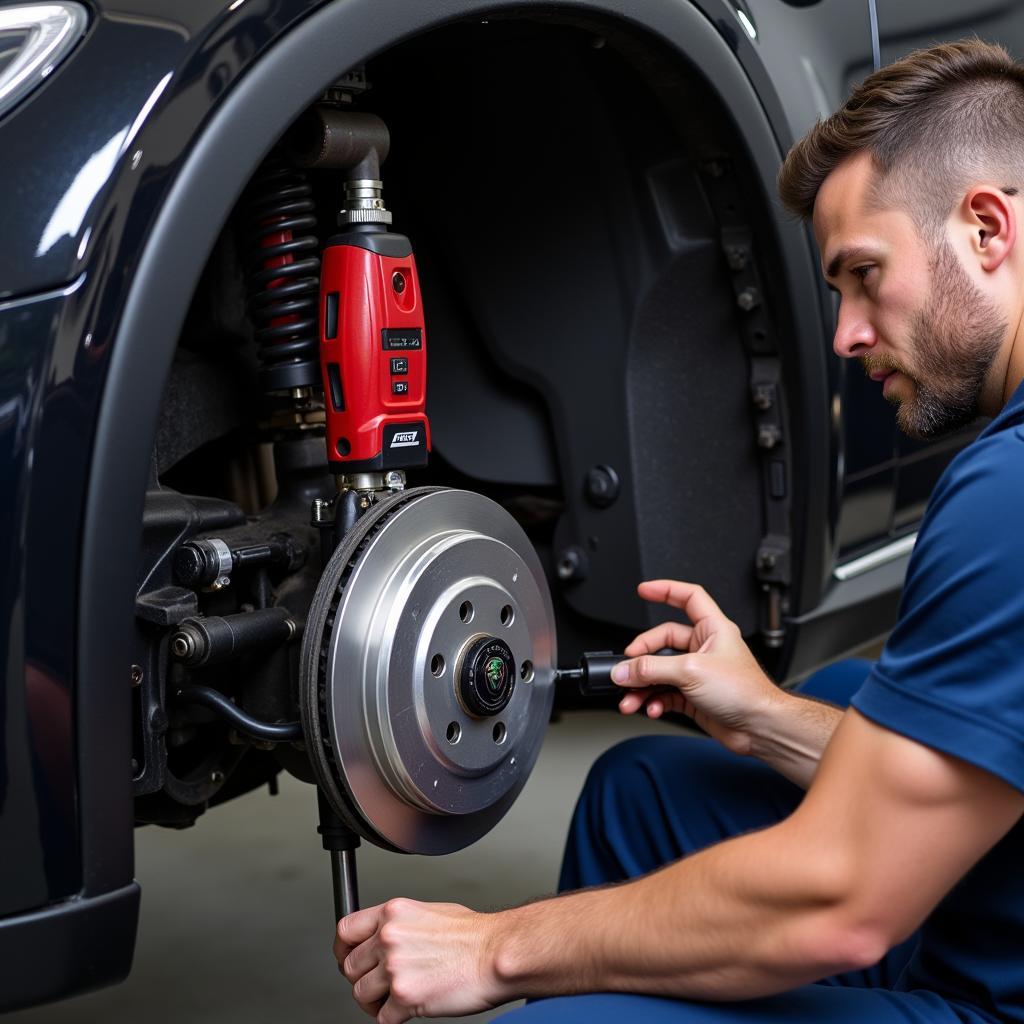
(427, 669)
(427, 666)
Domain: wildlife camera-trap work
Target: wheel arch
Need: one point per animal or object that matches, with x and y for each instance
(251, 117)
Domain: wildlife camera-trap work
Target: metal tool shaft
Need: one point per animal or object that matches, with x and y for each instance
(341, 843)
(346, 884)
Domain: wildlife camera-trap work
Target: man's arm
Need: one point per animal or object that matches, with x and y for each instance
(720, 685)
(887, 828)
(791, 735)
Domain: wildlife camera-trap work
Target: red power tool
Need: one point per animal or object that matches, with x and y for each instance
(373, 346)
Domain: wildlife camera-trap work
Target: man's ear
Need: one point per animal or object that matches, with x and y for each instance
(990, 215)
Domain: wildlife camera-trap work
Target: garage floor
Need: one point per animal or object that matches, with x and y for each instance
(236, 912)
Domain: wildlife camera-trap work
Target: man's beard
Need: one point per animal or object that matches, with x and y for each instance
(954, 340)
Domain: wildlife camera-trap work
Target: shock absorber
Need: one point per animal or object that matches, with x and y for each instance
(373, 343)
(372, 355)
(372, 336)
(284, 277)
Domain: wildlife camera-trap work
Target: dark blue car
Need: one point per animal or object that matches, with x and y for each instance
(631, 377)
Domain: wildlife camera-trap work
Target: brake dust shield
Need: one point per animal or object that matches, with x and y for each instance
(427, 670)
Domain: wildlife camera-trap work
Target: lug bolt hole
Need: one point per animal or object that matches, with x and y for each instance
(499, 732)
(454, 732)
(526, 672)
(437, 666)
(466, 611)
(507, 615)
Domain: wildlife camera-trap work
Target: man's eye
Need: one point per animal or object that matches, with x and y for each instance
(861, 272)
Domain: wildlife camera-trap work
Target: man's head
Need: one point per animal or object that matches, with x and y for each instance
(912, 186)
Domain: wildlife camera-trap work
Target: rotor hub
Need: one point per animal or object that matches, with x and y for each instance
(487, 676)
(428, 670)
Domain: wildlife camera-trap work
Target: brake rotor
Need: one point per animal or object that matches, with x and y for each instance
(427, 670)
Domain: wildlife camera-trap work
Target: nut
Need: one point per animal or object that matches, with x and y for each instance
(748, 299)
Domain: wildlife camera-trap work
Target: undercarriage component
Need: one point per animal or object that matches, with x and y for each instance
(427, 670)
(284, 277)
(246, 725)
(227, 647)
(342, 140)
(208, 563)
(211, 639)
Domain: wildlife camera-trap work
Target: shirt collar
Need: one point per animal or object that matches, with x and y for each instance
(1010, 414)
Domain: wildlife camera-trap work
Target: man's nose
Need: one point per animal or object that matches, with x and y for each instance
(854, 335)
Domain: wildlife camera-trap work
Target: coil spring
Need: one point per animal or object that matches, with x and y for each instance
(284, 276)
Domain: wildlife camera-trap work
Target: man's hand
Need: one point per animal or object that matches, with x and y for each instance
(407, 959)
(718, 682)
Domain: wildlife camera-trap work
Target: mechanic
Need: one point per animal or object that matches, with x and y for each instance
(893, 889)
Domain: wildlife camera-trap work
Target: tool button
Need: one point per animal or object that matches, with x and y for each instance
(399, 366)
(399, 387)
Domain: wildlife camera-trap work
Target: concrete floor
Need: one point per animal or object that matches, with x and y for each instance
(236, 912)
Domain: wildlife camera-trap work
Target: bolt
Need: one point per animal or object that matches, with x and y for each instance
(764, 397)
(216, 777)
(395, 480)
(398, 282)
(601, 486)
(182, 645)
(736, 256)
(320, 512)
(572, 565)
(766, 560)
(136, 675)
(748, 299)
(768, 436)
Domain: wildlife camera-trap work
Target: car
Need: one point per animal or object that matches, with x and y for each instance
(630, 377)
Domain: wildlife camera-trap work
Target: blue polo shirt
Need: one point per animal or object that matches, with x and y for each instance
(952, 677)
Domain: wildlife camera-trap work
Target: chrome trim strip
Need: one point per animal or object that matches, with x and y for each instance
(874, 559)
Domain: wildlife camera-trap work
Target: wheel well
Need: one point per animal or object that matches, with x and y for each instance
(236, 137)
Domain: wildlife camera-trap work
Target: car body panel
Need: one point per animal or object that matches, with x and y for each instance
(38, 827)
(73, 170)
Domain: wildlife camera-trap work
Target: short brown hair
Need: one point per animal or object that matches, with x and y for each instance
(934, 122)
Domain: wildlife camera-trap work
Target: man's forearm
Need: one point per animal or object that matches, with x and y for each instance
(792, 733)
(746, 918)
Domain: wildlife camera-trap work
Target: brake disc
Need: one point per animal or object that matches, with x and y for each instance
(427, 670)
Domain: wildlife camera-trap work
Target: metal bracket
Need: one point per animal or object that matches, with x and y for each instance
(760, 340)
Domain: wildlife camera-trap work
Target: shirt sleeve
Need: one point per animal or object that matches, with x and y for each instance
(951, 675)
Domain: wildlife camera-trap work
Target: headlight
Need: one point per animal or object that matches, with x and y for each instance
(34, 39)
